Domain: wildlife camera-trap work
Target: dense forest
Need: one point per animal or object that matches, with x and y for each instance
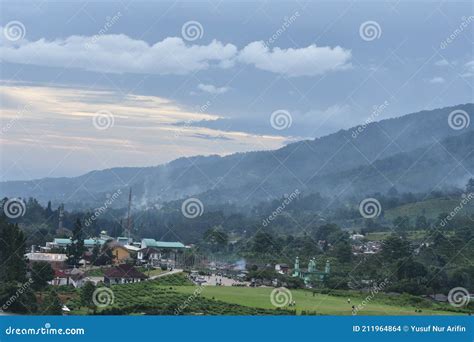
(422, 252)
(394, 152)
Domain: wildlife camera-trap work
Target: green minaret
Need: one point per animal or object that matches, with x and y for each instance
(296, 272)
(327, 269)
(312, 266)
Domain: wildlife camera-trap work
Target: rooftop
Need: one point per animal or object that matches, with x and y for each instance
(132, 248)
(87, 242)
(46, 257)
(161, 244)
(124, 271)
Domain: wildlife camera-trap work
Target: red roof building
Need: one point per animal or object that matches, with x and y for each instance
(123, 274)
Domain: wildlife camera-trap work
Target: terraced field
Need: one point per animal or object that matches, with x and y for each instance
(319, 303)
(175, 295)
(429, 208)
(154, 298)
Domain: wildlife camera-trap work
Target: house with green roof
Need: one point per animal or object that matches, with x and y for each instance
(161, 244)
(160, 252)
(64, 243)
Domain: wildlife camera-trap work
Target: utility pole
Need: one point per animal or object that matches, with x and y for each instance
(60, 220)
(129, 218)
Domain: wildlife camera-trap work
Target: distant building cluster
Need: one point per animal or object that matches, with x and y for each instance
(126, 255)
(361, 246)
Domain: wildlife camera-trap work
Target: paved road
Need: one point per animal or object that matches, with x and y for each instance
(224, 281)
(176, 270)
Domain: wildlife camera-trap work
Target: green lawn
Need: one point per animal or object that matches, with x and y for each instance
(430, 208)
(154, 298)
(165, 294)
(152, 272)
(411, 235)
(96, 272)
(320, 303)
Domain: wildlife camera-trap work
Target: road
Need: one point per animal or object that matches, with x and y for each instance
(176, 270)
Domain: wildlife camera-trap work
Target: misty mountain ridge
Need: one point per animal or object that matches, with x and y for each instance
(415, 152)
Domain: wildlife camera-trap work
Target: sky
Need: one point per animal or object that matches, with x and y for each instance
(100, 84)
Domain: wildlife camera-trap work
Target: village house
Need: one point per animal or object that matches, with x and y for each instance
(120, 253)
(57, 261)
(74, 277)
(149, 255)
(282, 268)
(168, 251)
(59, 243)
(357, 237)
(123, 274)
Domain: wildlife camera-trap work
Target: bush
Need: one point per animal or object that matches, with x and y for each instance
(17, 298)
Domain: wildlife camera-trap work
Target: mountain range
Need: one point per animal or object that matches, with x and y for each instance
(416, 152)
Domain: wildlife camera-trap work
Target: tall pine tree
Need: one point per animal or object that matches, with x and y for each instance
(76, 248)
(12, 252)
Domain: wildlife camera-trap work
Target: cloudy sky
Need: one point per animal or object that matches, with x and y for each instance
(99, 84)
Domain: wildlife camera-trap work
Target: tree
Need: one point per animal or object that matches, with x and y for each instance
(17, 298)
(402, 223)
(395, 248)
(95, 254)
(439, 279)
(294, 282)
(51, 304)
(410, 269)
(470, 185)
(106, 256)
(41, 273)
(263, 242)
(325, 231)
(392, 192)
(87, 293)
(336, 281)
(12, 252)
(343, 251)
(49, 210)
(421, 222)
(216, 238)
(76, 248)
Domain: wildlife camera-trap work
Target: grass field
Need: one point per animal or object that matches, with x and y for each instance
(413, 235)
(320, 303)
(165, 294)
(150, 272)
(430, 209)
